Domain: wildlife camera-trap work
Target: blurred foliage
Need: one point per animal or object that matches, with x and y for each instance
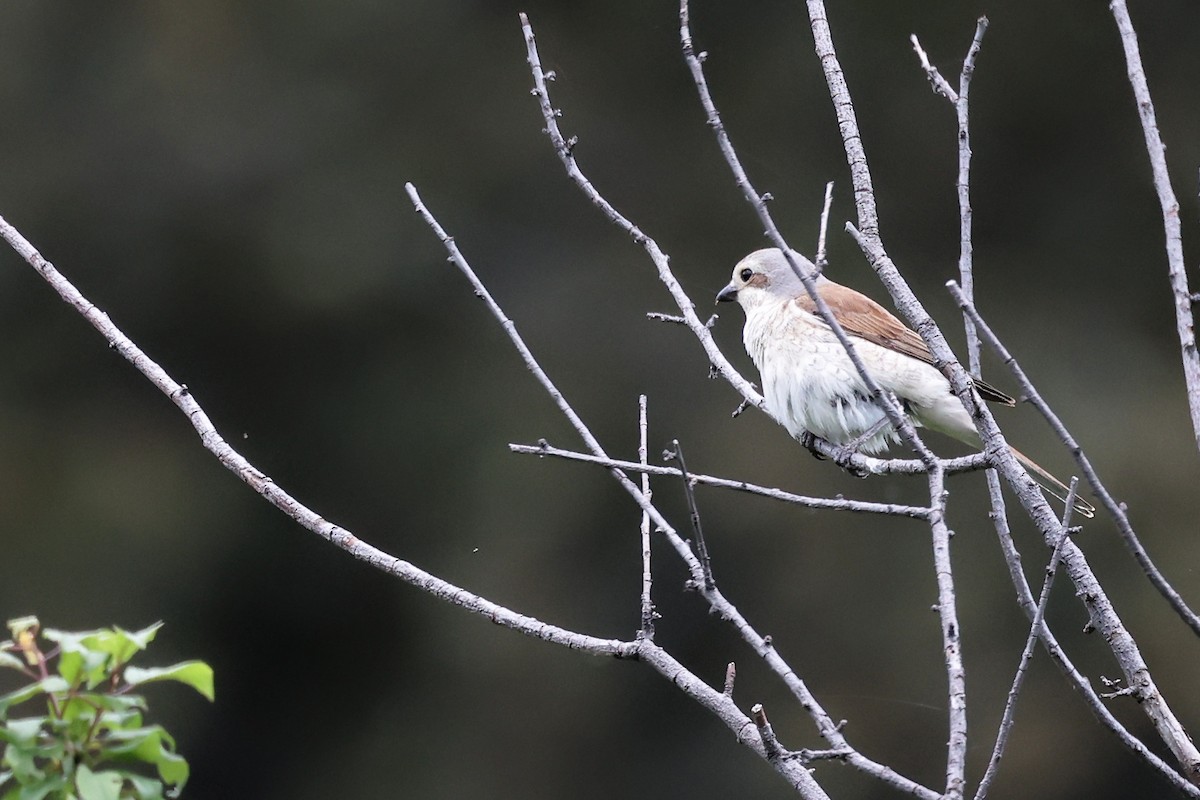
(92, 737)
(226, 181)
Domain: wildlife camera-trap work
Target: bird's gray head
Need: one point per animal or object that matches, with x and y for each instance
(765, 274)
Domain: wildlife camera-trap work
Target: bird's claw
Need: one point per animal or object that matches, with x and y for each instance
(844, 458)
(809, 440)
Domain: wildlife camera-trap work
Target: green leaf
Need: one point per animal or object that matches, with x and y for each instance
(144, 788)
(196, 674)
(98, 785)
(30, 753)
(115, 710)
(22, 734)
(143, 637)
(39, 790)
(152, 745)
(46, 686)
(116, 642)
(80, 660)
(24, 730)
(80, 665)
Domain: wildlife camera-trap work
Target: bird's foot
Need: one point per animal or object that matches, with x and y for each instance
(809, 440)
(842, 455)
(844, 458)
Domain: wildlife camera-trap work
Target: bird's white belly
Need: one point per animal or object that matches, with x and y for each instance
(815, 387)
(810, 384)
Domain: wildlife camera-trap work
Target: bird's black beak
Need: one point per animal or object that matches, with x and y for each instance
(728, 294)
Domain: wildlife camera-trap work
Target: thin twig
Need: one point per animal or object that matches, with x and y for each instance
(1035, 632)
(1176, 268)
(689, 492)
(956, 679)
(940, 85)
(966, 240)
(646, 630)
(1078, 680)
(821, 260)
(829, 503)
(660, 317)
(1115, 509)
(999, 514)
(563, 149)
(809, 756)
(723, 706)
(966, 247)
(1100, 608)
(759, 715)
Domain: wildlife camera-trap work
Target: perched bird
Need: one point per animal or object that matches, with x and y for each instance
(810, 383)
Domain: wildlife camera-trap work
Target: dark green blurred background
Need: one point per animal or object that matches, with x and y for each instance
(226, 180)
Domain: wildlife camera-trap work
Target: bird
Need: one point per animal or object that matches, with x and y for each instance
(809, 383)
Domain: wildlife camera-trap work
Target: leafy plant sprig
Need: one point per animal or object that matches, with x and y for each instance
(91, 743)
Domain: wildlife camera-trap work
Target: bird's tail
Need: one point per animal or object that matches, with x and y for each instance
(1055, 487)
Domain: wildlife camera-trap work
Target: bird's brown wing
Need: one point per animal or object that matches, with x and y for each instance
(861, 316)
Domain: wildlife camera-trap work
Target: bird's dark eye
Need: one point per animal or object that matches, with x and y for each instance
(745, 274)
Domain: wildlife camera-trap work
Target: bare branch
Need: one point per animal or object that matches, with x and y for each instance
(825, 725)
(1035, 631)
(774, 750)
(261, 483)
(720, 605)
(956, 683)
(646, 631)
(906, 302)
(821, 260)
(1101, 610)
(730, 677)
(856, 157)
(940, 85)
(1035, 504)
(1078, 680)
(677, 320)
(999, 516)
(1176, 269)
(564, 151)
(694, 515)
(1117, 510)
(966, 247)
(809, 756)
(876, 466)
(646, 650)
(1103, 615)
(796, 774)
